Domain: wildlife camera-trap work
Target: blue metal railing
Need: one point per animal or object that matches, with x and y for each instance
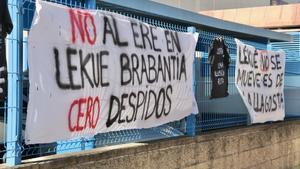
(218, 113)
(292, 74)
(210, 116)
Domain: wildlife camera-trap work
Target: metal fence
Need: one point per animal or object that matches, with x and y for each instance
(292, 74)
(210, 116)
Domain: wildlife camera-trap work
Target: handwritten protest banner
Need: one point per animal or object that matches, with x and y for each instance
(93, 71)
(259, 78)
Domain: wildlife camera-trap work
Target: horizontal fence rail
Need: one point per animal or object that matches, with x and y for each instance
(213, 114)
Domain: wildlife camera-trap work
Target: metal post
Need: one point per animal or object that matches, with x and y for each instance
(90, 4)
(191, 119)
(14, 96)
(269, 45)
(25, 52)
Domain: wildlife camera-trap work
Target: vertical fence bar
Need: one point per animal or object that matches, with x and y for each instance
(191, 119)
(14, 96)
(90, 4)
(25, 52)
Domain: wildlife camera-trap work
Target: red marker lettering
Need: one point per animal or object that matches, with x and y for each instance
(77, 18)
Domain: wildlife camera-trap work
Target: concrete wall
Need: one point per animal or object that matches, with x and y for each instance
(268, 146)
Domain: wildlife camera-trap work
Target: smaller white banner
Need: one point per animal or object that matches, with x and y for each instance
(259, 78)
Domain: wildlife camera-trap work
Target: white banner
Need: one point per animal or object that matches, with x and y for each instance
(93, 71)
(259, 78)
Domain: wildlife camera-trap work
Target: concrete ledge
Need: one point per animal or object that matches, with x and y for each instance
(275, 145)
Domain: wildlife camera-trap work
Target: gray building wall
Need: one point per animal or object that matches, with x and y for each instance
(203, 5)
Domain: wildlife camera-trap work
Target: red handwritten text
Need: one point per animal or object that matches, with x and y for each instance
(82, 21)
(84, 108)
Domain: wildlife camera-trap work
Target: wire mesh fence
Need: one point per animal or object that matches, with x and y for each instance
(136, 135)
(213, 113)
(218, 113)
(292, 72)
